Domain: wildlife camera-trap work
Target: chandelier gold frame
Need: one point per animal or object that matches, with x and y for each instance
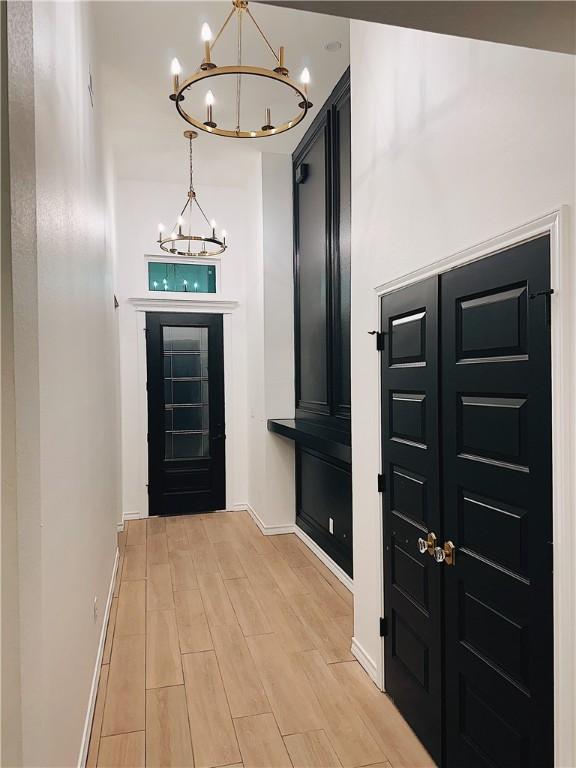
(208, 70)
(211, 245)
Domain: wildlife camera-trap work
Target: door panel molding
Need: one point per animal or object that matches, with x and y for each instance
(556, 225)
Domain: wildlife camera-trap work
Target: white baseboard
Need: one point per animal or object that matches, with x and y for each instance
(133, 515)
(274, 530)
(326, 559)
(96, 676)
(267, 530)
(365, 661)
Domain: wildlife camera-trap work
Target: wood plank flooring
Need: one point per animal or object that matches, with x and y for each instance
(228, 648)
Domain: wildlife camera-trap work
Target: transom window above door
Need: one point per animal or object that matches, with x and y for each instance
(181, 278)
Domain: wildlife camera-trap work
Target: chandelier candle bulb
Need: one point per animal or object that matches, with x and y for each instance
(209, 104)
(268, 123)
(281, 68)
(305, 80)
(206, 37)
(176, 69)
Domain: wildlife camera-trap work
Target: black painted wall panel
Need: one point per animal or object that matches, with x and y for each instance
(313, 300)
(322, 205)
(324, 492)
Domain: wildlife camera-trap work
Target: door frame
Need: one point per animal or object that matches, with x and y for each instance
(187, 306)
(555, 224)
(178, 500)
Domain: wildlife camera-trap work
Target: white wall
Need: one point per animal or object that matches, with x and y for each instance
(270, 349)
(65, 373)
(11, 715)
(453, 142)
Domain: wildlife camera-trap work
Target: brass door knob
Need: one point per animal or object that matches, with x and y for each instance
(428, 544)
(445, 554)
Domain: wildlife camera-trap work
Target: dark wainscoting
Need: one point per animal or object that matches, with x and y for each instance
(324, 492)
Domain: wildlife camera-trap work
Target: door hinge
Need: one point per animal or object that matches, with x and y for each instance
(148, 437)
(379, 339)
(383, 626)
(547, 292)
(381, 484)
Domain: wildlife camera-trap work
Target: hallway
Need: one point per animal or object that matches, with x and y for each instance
(227, 647)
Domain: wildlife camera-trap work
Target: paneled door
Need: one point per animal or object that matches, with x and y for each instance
(412, 582)
(497, 509)
(186, 431)
(468, 523)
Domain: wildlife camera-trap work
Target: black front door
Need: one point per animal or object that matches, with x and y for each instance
(497, 507)
(411, 509)
(186, 430)
(467, 447)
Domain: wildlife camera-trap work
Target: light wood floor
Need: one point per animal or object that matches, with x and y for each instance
(229, 648)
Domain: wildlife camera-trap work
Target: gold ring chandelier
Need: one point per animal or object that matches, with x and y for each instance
(197, 246)
(208, 69)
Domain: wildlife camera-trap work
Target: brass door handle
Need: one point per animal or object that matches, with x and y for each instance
(428, 544)
(445, 554)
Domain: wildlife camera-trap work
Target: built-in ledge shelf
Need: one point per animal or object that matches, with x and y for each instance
(331, 442)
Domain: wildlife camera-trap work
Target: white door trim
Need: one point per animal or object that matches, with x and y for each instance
(190, 306)
(564, 524)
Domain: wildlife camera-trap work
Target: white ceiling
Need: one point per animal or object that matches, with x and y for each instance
(135, 44)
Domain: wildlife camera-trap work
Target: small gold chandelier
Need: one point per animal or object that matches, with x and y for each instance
(208, 69)
(211, 245)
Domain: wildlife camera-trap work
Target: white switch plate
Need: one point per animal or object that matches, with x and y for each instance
(331, 525)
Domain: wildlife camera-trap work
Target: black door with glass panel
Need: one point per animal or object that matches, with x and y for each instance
(186, 428)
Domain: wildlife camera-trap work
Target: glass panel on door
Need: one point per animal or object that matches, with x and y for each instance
(186, 386)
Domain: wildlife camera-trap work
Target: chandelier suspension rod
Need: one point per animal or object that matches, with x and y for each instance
(239, 77)
(191, 167)
(192, 190)
(262, 34)
(202, 212)
(222, 28)
(186, 206)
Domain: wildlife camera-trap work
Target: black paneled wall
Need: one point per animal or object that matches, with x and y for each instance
(322, 323)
